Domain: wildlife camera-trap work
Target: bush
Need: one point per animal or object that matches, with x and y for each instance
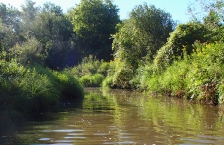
(108, 82)
(91, 80)
(89, 66)
(122, 77)
(204, 80)
(38, 91)
(29, 52)
(199, 76)
(180, 42)
(91, 72)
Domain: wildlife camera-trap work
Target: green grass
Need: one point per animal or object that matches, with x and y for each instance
(91, 72)
(35, 89)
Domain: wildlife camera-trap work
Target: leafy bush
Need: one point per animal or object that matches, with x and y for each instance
(180, 42)
(29, 52)
(204, 79)
(122, 77)
(199, 76)
(90, 72)
(90, 65)
(91, 80)
(108, 82)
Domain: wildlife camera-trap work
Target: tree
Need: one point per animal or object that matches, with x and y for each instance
(29, 11)
(9, 26)
(181, 41)
(207, 28)
(28, 15)
(9, 16)
(54, 31)
(154, 26)
(142, 35)
(49, 26)
(94, 21)
(138, 40)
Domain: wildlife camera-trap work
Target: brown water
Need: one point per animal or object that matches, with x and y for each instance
(124, 117)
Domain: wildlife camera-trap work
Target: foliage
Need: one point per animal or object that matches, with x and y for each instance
(204, 10)
(29, 52)
(54, 32)
(205, 77)
(9, 16)
(70, 88)
(91, 81)
(94, 21)
(34, 89)
(180, 42)
(90, 72)
(143, 34)
(7, 37)
(138, 40)
(154, 26)
(107, 82)
(198, 77)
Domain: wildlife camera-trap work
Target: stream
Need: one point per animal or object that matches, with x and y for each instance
(120, 117)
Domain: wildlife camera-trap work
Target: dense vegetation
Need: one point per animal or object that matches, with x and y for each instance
(47, 56)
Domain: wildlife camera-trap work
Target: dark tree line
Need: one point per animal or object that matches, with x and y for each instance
(45, 35)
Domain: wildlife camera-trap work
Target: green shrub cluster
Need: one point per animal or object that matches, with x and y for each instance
(35, 89)
(91, 80)
(91, 72)
(198, 77)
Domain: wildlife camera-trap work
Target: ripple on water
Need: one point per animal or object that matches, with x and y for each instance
(74, 137)
(123, 142)
(64, 130)
(64, 141)
(197, 140)
(44, 139)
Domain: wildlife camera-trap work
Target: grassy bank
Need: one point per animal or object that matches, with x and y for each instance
(197, 77)
(35, 89)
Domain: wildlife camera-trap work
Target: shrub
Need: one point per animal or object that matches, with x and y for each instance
(85, 80)
(34, 89)
(122, 77)
(90, 72)
(180, 42)
(91, 80)
(199, 76)
(204, 80)
(108, 82)
(29, 52)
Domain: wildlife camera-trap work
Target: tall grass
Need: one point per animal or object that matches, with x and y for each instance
(35, 89)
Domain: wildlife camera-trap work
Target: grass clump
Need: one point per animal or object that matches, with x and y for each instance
(35, 89)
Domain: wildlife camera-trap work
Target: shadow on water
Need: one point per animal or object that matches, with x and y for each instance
(13, 122)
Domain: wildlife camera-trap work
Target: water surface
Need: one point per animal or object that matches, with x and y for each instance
(125, 118)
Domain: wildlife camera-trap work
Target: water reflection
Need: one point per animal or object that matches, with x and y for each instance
(124, 117)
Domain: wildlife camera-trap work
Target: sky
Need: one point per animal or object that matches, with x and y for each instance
(177, 8)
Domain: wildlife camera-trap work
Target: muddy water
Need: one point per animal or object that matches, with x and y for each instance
(123, 117)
